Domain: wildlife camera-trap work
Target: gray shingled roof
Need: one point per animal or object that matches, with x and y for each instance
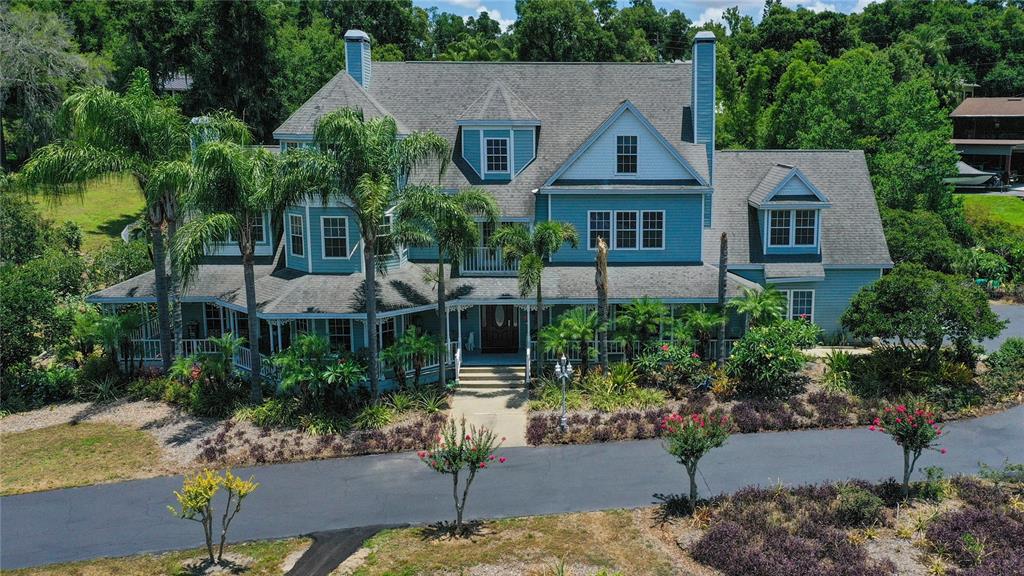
(498, 103)
(775, 175)
(794, 270)
(286, 292)
(569, 100)
(851, 229)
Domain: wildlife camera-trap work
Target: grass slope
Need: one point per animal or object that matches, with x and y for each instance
(267, 559)
(106, 207)
(1008, 209)
(73, 455)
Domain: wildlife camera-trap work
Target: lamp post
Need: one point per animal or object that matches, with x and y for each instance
(563, 371)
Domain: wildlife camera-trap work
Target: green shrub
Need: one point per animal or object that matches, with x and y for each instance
(105, 389)
(209, 397)
(176, 393)
(549, 397)
(856, 506)
(1006, 368)
(374, 417)
(645, 398)
(432, 402)
(323, 424)
(766, 358)
(935, 487)
(401, 402)
(144, 388)
(275, 412)
(26, 388)
(837, 371)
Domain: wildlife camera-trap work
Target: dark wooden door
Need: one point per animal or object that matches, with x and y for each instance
(499, 329)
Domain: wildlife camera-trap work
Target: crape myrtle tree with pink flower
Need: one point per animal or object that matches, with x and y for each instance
(914, 429)
(462, 453)
(689, 438)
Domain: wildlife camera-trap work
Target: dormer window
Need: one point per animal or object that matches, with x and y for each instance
(497, 154)
(625, 154)
(792, 227)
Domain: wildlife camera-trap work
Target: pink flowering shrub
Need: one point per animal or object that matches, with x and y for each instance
(689, 438)
(456, 450)
(914, 429)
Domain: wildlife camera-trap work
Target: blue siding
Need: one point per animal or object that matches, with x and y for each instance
(291, 261)
(704, 94)
(654, 161)
(707, 209)
(524, 148)
(763, 226)
(353, 263)
(357, 61)
(540, 208)
(423, 253)
(471, 149)
(752, 275)
(832, 296)
(265, 248)
(498, 176)
(683, 226)
(794, 187)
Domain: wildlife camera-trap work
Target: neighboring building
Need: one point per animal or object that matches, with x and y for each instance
(622, 151)
(989, 135)
(178, 83)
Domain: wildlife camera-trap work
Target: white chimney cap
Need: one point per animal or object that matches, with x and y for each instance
(702, 35)
(357, 35)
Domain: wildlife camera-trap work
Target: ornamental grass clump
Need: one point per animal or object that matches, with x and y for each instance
(914, 429)
(457, 450)
(689, 438)
(196, 501)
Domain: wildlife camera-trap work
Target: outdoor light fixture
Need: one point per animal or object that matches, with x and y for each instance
(563, 371)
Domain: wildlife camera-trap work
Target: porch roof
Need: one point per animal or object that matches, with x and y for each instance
(285, 293)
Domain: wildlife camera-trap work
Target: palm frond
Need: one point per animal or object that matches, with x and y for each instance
(531, 269)
(422, 149)
(64, 167)
(194, 237)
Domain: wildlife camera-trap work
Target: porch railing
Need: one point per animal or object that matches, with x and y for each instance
(617, 349)
(482, 260)
(430, 362)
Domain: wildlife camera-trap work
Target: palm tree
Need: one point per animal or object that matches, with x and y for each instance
(363, 163)
(448, 221)
(703, 324)
(533, 249)
(640, 321)
(761, 307)
(578, 327)
(104, 134)
(231, 188)
(601, 282)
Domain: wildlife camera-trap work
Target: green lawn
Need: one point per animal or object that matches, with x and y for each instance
(1009, 209)
(267, 559)
(65, 455)
(107, 206)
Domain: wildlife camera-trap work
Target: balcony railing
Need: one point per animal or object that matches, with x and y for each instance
(484, 261)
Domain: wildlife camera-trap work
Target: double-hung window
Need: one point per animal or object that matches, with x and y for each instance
(801, 305)
(387, 332)
(497, 154)
(257, 229)
(339, 334)
(214, 320)
(625, 154)
(600, 225)
(626, 230)
(335, 236)
(653, 230)
(792, 228)
(805, 228)
(296, 235)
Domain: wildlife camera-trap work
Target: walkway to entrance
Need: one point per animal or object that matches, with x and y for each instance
(494, 397)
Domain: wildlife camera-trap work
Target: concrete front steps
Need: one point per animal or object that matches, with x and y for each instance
(473, 377)
(493, 397)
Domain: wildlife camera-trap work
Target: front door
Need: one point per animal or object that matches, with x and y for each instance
(499, 327)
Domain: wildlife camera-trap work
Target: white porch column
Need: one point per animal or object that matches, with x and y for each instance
(459, 324)
(280, 326)
(528, 315)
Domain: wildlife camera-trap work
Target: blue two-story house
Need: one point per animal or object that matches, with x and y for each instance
(624, 152)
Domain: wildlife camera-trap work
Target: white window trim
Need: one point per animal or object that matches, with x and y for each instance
(291, 230)
(323, 240)
(613, 232)
(627, 174)
(483, 154)
(789, 302)
(664, 225)
(792, 228)
(344, 322)
(611, 227)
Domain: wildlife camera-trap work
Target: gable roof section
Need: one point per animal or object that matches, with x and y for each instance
(626, 106)
(569, 99)
(340, 92)
(851, 232)
(500, 104)
(772, 190)
(982, 107)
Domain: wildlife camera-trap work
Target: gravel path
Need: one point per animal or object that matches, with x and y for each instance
(178, 433)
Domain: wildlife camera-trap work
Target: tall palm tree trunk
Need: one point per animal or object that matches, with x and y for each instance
(442, 323)
(370, 289)
(256, 370)
(601, 279)
(540, 324)
(723, 269)
(162, 296)
(174, 293)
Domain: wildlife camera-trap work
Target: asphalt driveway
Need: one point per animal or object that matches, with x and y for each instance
(301, 498)
(1015, 314)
